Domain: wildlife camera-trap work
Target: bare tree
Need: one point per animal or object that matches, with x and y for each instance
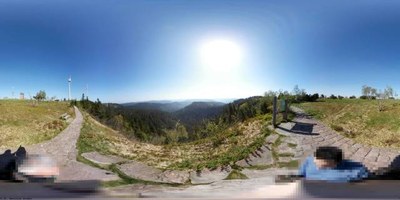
(270, 93)
(365, 90)
(41, 95)
(296, 90)
(369, 91)
(388, 92)
(382, 95)
(374, 92)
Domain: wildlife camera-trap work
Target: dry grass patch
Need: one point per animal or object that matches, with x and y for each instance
(207, 152)
(360, 119)
(24, 124)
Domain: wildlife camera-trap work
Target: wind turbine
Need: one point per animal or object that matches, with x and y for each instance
(69, 88)
(87, 90)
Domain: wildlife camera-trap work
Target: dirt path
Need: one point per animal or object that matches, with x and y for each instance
(62, 148)
(305, 131)
(311, 133)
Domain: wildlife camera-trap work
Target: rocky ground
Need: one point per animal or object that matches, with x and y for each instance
(291, 141)
(62, 149)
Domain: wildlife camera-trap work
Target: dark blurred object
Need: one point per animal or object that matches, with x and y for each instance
(37, 168)
(20, 155)
(74, 189)
(19, 167)
(368, 189)
(287, 178)
(392, 172)
(7, 165)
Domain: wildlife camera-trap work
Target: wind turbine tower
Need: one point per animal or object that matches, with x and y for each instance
(87, 90)
(69, 88)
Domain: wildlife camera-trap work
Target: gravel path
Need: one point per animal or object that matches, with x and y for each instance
(310, 133)
(62, 148)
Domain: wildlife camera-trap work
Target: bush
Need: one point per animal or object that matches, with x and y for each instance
(352, 97)
(337, 127)
(332, 96)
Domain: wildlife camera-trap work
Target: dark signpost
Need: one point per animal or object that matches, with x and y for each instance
(274, 112)
(283, 108)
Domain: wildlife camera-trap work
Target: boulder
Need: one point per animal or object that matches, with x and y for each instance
(285, 149)
(209, 176)
(174, 176)
(102, 159)
(271, 139)
(141, 171)
(262, 156)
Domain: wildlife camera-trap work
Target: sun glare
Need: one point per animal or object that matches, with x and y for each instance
(220, 54)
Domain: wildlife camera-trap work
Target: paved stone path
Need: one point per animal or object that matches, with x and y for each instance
(261, 184)
(309, 134)
(62, 148)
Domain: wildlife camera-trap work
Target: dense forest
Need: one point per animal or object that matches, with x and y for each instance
(195, 121)
(152, 124)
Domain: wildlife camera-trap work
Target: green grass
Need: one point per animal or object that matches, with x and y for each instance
(285, 155)
(232, 144)
(229, 157)
(360, 119)
(291, 145)
(294, 164)
(24, 123)
(260, 167)
(235, 174)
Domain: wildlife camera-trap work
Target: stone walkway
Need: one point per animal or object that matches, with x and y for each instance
(62, 148)
(309, 134)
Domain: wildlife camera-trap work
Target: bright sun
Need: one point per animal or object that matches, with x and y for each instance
(220, 54)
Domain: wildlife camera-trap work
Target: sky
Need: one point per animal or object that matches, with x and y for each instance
(137, 50)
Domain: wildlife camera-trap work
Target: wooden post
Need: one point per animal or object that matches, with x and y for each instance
(274, 112)
(285, 113)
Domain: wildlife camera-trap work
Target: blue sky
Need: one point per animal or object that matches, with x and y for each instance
(149, 50)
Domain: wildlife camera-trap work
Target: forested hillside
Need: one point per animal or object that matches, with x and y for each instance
(196, 114)
(195, 121)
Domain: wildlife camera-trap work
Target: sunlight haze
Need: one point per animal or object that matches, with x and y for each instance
(146, 50)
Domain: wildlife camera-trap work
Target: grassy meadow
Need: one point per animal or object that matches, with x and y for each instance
(23, 123)
(360, 119)
(227, 147)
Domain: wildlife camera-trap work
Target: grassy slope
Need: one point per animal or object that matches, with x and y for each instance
(228, 147)
(360, 119)
(24, 124)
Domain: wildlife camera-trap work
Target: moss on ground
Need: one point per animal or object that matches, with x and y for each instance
(235, 174)
(360, 119)
(24, 123)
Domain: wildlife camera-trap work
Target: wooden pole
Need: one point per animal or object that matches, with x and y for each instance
(285, 113)
(274, 112)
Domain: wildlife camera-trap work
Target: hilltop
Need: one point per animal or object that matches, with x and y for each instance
(24, 123)
(168, 105)
(372, 122)
(230, 133)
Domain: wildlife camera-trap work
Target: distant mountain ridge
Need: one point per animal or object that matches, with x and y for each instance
(196, 112)
(167, 105)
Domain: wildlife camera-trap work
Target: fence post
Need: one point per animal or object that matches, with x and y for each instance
(274, 112)
(285, 113)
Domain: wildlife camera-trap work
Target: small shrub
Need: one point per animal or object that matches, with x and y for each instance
(332, 97)
(392, 140)
(235, 174)
(337, 127)
(291, 164)
(286, 155)
(292, 145)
